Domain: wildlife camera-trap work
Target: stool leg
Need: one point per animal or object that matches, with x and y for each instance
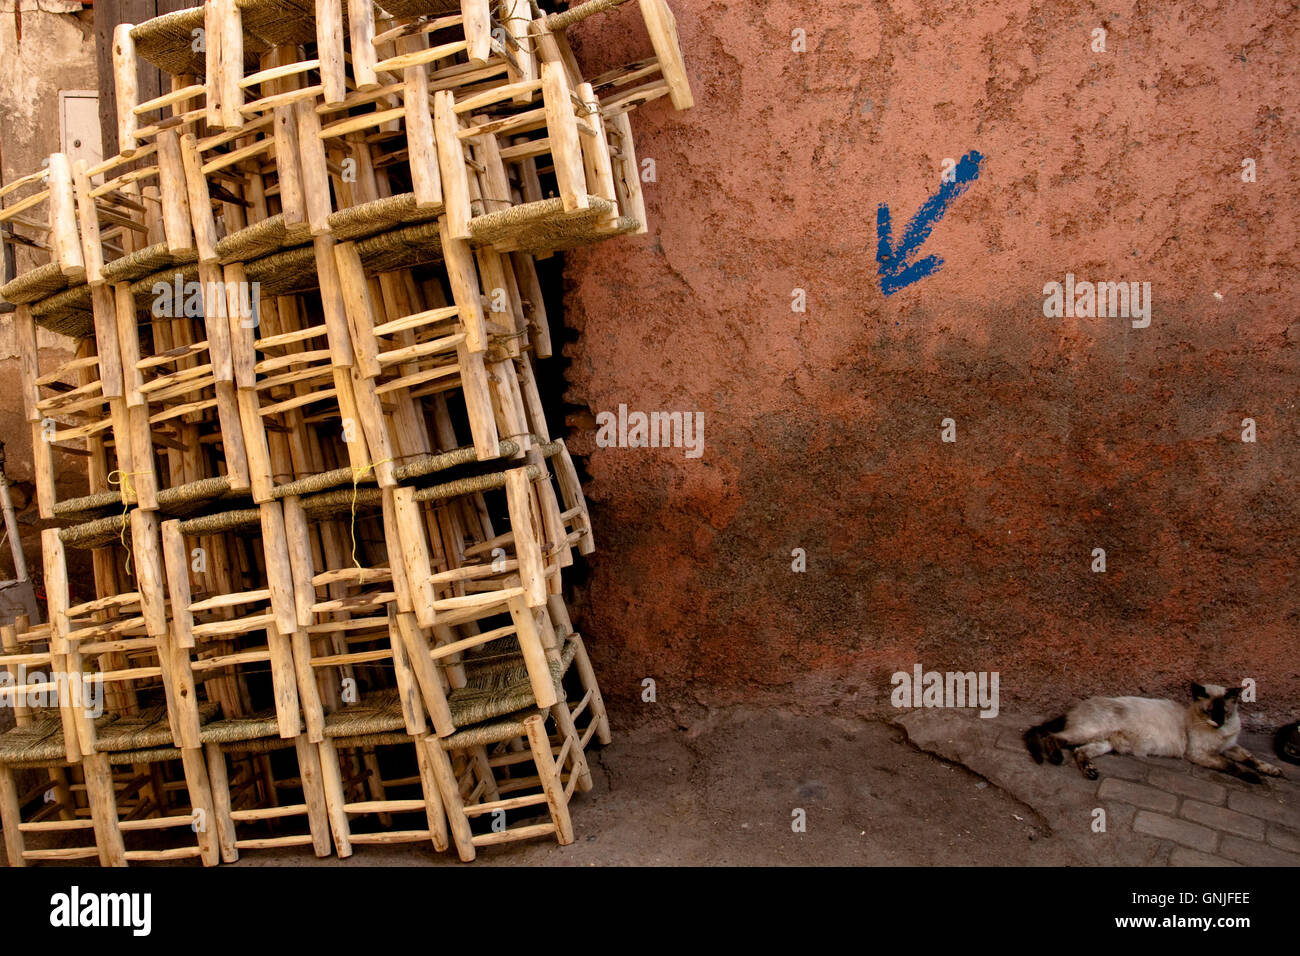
(540, 744)
(332, 779)
(313, 793)
(11, 817)
(103, 810)
(219, 779)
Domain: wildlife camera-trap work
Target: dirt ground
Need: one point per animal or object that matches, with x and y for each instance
(722, 793)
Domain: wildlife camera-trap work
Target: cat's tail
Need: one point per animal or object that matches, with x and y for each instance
(1041, 741)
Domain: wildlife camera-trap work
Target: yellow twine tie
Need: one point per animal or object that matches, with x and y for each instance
(127, 491)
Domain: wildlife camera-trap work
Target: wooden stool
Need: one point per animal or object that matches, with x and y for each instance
(56, 805)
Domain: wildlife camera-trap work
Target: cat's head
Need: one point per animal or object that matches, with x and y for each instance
(1217, 704)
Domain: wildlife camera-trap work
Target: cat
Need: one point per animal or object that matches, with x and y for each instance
(1205, 732)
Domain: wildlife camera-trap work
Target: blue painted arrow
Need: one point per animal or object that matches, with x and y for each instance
(894, 271)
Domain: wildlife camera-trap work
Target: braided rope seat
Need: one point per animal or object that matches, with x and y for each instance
(145, 262)
(279, 22)
(262, 239)
(149, 730)
(40, 743)
(420, 8)
(496, 687)
(579, 11)
(293, 271)
(379, 215)
(67, 312)
(401, 248)
(177, 502)
(328, 493)
(37, 283)
(254, 733)
(498, 683)
(142, 289)
(545, 225)
(285, 273)
(167, 42)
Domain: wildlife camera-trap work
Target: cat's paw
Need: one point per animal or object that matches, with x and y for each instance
(1090, 771)
(1268, 768)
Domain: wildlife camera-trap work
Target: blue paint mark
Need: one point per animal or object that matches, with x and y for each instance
(894, 270)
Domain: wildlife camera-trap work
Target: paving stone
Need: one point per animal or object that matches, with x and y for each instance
(1122, 767)
(1180, 831)
(1256, 854)
(1223, 779)
(1148, 798)
(1181, 856)
(1205, 791)
(1284, 838)
(1221, 818)
(1272, 807)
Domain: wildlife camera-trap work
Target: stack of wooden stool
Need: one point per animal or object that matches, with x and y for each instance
(327, 521)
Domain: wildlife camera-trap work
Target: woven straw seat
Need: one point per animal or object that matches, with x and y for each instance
(38, 744)
(401, 248)
(142, 289)
(148, 729)
(497, 683)
(381, 215)
(256, 732)
(545, 225)
(491, 732)
(145, 262)
(379, 715)
(276, 22)
(421, 8)
(178, 502)
(167, 42)
(285, 273)
(34, 284)
(67, 312)
(262, 239)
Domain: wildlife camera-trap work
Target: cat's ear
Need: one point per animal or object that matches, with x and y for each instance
(1198, 692)
(1232, 693)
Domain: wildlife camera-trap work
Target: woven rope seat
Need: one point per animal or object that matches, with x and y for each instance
(293, 271)
(67, 312)
(545, 225)
(420, 8)
(176, 502)
(262, 239)
(168, 42)
(498, 684)
(144, 262)
(149, 729)
(285, 273)
(254, 733)
(380, 215)
(490, 732)
(179, 502)
(39, 744)
(142, 289)
(38, 283)
(379, 716)
(277, 22)
(401, 248)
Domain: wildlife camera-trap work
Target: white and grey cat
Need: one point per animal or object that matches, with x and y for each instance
(1204, 731)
